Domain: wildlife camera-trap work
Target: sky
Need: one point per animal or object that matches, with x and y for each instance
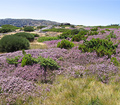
(77, 12)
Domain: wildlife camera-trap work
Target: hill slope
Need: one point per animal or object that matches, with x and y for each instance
(23, 22)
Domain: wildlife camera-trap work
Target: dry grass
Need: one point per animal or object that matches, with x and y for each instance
(37, 45)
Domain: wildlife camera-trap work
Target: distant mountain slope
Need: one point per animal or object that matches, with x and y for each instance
(24, 22)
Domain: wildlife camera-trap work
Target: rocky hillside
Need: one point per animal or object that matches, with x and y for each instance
(23, 22)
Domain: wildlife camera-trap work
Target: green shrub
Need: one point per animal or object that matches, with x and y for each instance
(27, 59)
(102, 31)
(115, 61)
(13, 60)
(57, 30)
(7, 28)
(101, 46)
(65, 44)
(28, 36)
(79, 36)
(107, 29)
(28, 28)
(65, 35)
(35, 35)
(111, 35)
(46, 38)
(94, 29)
(47, 63)
(93, 33)
(12, 43)
(40, 27)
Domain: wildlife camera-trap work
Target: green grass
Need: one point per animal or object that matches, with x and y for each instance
(47, 38)
(57, 30)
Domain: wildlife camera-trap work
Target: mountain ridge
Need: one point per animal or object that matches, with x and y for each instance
(27, 22)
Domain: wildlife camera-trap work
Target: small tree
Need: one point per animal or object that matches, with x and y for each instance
(47, 63)
(29, 28)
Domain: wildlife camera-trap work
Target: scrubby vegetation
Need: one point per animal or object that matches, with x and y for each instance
(101, 46)
(48, 38)
(11, 43)
(28, 28)
(65, 44)
(56, 30)
(40, 27)
(8, 28)
(28, 36)
(83, 70)
(111, 35)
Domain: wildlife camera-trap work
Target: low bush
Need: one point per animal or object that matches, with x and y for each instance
(12, 43)
(93, 33)
(13, 60)
(28, 36)
(28, 28)
(115, 61)
(65, 35)
(27, 60)
(102, 31)
(65, 44)
(35, 35)
(40, 27)
(111, 35)
(94, 29)
(8, 28)
(79, 36)
(56, 30)
(46, 38)
(101, 46)
(107, 30)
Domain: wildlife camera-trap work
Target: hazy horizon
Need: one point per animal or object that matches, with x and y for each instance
(78, 12)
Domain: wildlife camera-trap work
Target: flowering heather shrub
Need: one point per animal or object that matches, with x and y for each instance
(103, 71)
(65, 44)
(15, 87)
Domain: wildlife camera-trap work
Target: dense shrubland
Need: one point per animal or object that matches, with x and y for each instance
(101, 46)
(8, 28)
(65, 75)
(28, 28)
(56, 30)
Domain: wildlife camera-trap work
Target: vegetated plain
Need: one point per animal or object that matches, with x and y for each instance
(81, 66)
